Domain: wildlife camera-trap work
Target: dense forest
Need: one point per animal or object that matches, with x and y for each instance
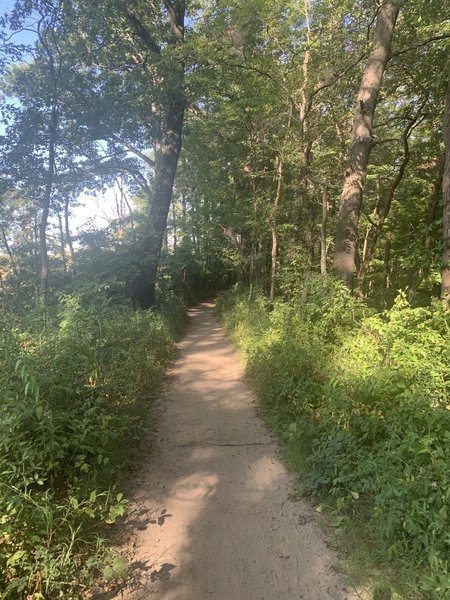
(292, 156)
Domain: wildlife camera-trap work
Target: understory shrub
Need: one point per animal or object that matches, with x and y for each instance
(366, 395)
(73, 382)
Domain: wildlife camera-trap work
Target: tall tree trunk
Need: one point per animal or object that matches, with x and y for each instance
(445, 283)
(387, 261)
(47, 38)
(174, 227)
(383, 212)
(69, 236)
(323, 230)
(276, 202)
(273, 226)
(43, 250)
(166, 163)
(36, 254)
(62, 242)
(434, 201)
(252, 270)
(361, 144)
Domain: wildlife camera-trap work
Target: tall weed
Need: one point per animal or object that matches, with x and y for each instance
(73, 380)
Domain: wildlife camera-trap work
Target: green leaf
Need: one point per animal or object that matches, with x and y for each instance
(15, 558)
(120, 566)
(108, 573)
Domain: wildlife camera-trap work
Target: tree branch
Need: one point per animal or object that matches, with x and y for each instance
(141, 31)
(434, 38)
(134, 150)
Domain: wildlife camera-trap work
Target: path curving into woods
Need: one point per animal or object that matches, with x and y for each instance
(211, 517)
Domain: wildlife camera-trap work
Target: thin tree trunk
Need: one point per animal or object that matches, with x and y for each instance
(54, 71)
(387, 259)
(36, 253)
(62, 242)
(273, 228)
(252, 269)
(323, 230)
(305, 101)
(69, 236)
(43, 249)
(362, 143)
(445, 282)
(382, 213)
(183, 212)
(9, 252)
(434, 201)
(175, 232)
(273, 215)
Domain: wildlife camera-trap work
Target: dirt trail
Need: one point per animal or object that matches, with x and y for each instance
(211, 508)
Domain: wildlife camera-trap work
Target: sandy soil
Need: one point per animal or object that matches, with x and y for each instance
(211, 517)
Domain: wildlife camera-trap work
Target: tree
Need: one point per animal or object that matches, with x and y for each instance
(168, 149)
(36, 120)
(362, 143)
(445, 283)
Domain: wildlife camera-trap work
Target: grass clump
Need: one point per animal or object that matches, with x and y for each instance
(74, 379)
(361, 398)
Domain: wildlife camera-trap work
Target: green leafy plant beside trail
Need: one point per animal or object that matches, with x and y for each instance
(364, 395)
(74, 380)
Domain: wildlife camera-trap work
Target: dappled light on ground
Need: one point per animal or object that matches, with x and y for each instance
(218, 521)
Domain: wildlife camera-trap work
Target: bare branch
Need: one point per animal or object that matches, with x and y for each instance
(134, 150)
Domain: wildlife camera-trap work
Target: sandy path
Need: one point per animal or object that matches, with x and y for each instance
(211, 508)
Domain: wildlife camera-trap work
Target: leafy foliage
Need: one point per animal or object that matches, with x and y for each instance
(74, 380)
(366, 398)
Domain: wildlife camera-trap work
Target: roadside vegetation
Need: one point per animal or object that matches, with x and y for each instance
(360, 397)
(76, 377)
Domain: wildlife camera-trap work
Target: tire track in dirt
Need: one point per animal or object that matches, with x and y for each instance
(210, 515)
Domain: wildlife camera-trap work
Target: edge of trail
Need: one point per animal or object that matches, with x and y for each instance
(210, 514)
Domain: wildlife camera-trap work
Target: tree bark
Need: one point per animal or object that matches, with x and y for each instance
(323, 230)
(166, 163)
(434, 201)
(382, 213)
(361, 145)
(43, 250)
(445, 281)
(387, 261)
(62, 242)
(9, 252)
(69, 236)
(273, 227)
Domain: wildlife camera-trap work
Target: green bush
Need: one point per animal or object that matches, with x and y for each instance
(74, 380)
(366, 396)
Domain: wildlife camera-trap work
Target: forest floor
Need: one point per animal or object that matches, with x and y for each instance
(211, 513)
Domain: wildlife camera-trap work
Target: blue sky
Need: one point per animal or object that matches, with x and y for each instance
(96, 209)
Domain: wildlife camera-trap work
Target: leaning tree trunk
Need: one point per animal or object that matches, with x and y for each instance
(445, 283)
(382, 212)
(166, 163)
(166, 169)
(361, 144)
